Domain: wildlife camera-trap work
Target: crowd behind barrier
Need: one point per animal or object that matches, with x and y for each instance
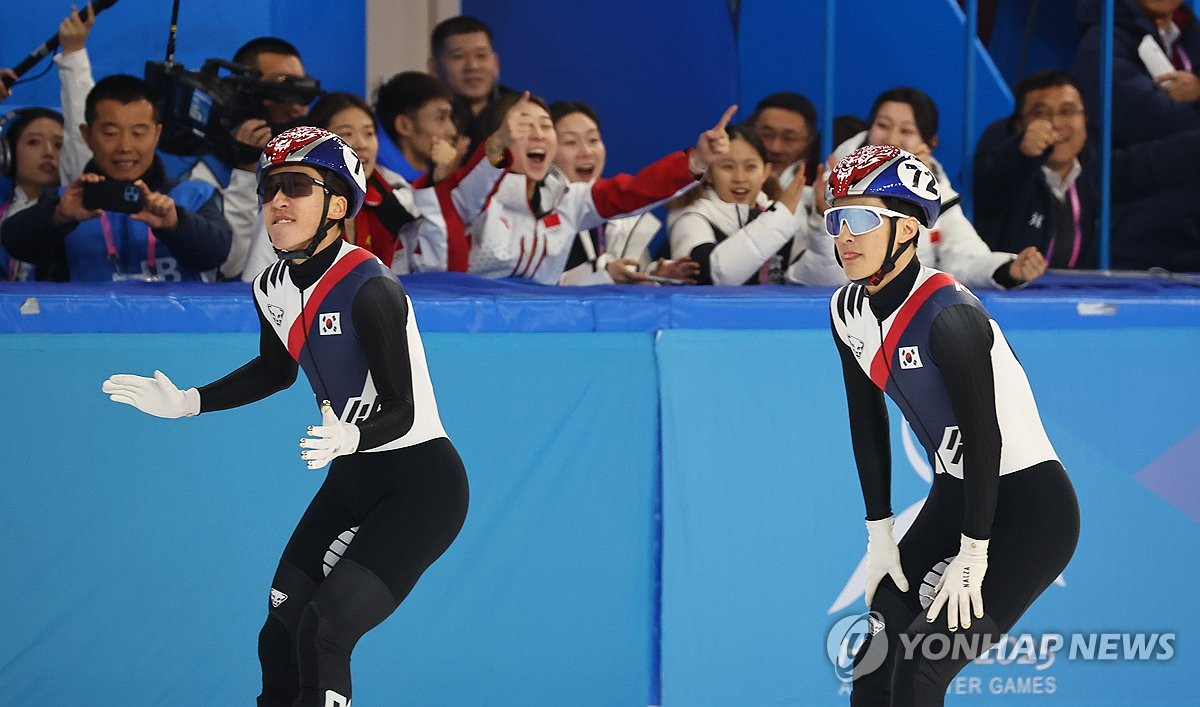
(662, 556)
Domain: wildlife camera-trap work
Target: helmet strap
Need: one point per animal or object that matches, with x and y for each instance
(310, 250)
(889, 263)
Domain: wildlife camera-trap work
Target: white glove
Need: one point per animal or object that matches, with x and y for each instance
(961, 585)
(883, 556)
(332, 438)
(156, 396)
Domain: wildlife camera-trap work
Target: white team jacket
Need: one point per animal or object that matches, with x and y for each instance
(627, 237)
(508, 241)
(747, 246)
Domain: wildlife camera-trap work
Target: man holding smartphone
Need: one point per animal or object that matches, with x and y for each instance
(98, 229)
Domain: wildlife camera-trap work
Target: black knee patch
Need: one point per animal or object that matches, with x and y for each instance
(351, 601)
(932, 656)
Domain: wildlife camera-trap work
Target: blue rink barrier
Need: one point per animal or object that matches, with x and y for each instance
(664, 507)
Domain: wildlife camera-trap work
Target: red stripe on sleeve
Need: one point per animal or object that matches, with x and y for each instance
(879, 365)
(623, 193)
(339, 270)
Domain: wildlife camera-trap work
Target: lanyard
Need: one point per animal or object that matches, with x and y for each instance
(1185, 63)
(1073, 196)
(111, 248)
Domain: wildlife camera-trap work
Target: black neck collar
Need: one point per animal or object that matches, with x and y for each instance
(888, 298)
(304, 274)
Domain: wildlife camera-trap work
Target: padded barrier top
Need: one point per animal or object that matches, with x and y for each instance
(455, 302)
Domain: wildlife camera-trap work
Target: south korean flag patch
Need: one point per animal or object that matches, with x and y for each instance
(910, 357)
(330, 323)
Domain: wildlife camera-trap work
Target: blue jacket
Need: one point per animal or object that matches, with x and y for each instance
(198, 244)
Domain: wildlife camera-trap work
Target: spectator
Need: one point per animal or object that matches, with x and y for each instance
(616, 250)
(415, 110)
(229, 167)
(1161, 229)
(276, 60)
(33, 138)
(377, 225)
(462, 56)
(1036, 176)
(787, 125)
(735, 230)
(531, 222)
(907, 118)
(1144, 107)
(179, 233)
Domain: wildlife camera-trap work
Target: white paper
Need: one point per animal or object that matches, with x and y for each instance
(1154, 58)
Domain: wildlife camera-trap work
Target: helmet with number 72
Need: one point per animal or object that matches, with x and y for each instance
(884, 171)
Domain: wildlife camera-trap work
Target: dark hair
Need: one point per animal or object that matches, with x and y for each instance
(16, 122)
(333, 103)
(1042, 79)
(924, 110)
(743, 131)
(504, 103)
(123, 89)
(405, 94)
(454, 27)
(846, 127)
(561, 109)
(740, 131)
(788, 101)
(247, 55)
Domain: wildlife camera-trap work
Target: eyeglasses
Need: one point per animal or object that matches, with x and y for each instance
(1066, 112)
(293, 184)
(859, 219)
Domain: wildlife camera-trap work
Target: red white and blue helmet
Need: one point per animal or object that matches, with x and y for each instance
(886, 171)
(318, 148)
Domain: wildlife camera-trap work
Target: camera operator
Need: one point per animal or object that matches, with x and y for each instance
(154, 229)
(229, 164)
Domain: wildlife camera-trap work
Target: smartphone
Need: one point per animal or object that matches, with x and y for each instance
(113, 195)
(666, 280)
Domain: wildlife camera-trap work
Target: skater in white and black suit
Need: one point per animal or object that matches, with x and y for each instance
(396, 493)
(1001, 521)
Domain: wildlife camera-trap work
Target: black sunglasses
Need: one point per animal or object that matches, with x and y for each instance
(293, 184)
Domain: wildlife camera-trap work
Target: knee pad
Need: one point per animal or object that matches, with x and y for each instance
(351, 601)
(937, 656)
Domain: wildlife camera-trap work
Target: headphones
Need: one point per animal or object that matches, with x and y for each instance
(7, 164)
(8, 118)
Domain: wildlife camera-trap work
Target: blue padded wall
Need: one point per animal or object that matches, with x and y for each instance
(140, 550)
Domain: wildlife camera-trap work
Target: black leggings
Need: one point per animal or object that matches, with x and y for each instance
(1034, 533)
(379, 520)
